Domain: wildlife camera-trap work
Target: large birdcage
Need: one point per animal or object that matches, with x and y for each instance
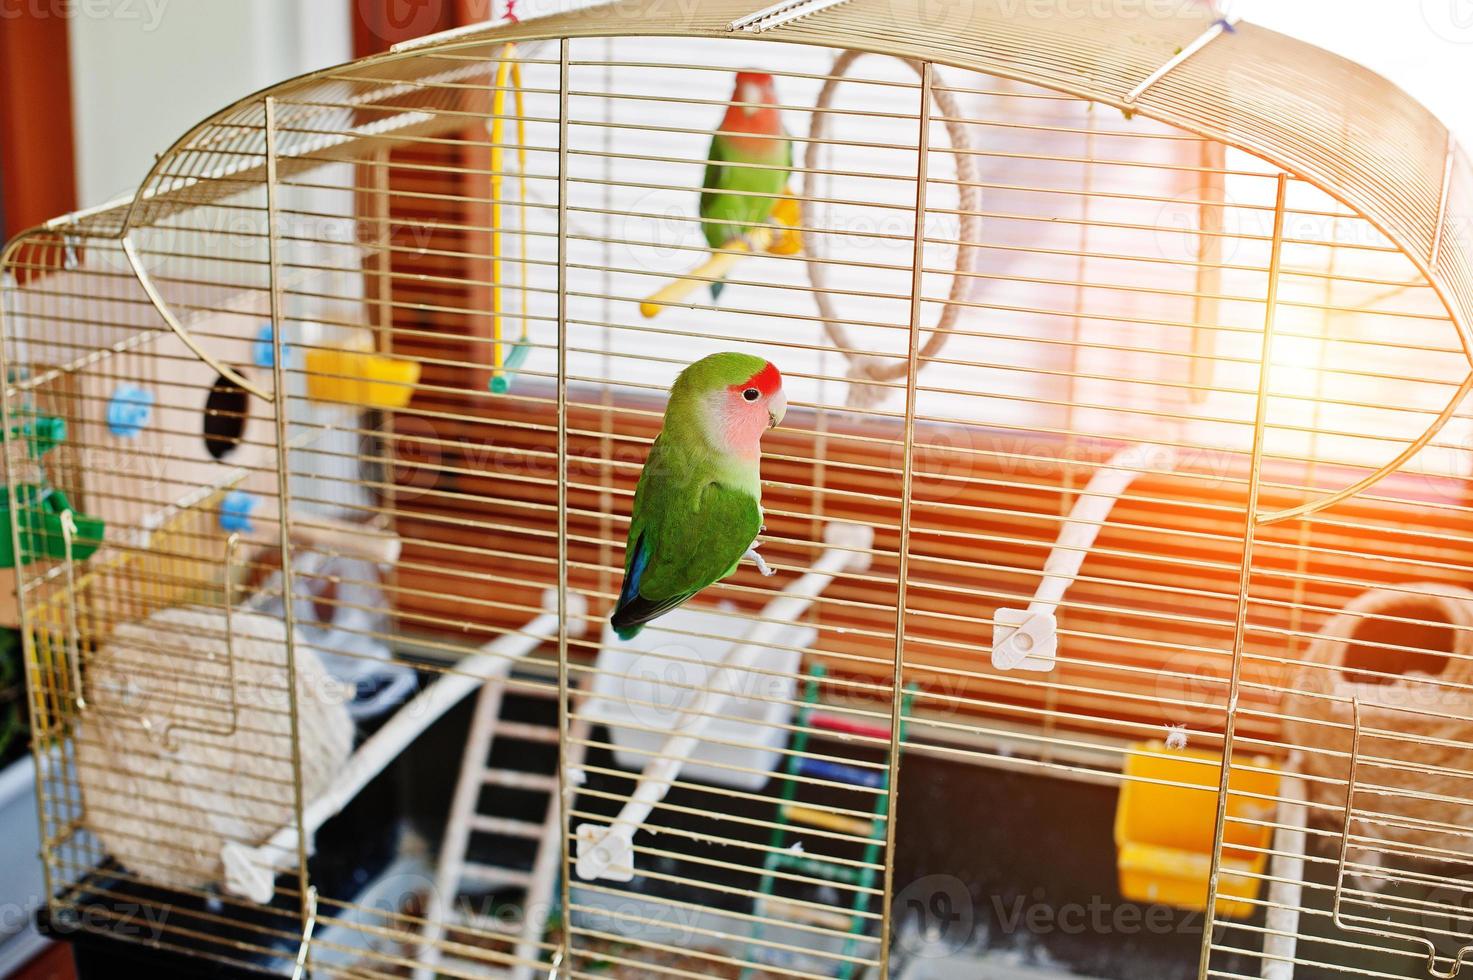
(1121, 518)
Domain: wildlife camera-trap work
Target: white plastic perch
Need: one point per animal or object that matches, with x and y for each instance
(354, 540)
(250, 872)
(608, 851)
(1286, 882)
(1027, 639)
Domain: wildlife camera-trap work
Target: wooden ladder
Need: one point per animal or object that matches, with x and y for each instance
(457, 871)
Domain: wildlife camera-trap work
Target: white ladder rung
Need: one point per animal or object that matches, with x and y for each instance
(476, 922)
(475, 968)
(532, 689)
(527, 732)
(505, 826)
(487, 874)
(514, 779)
(456, 875)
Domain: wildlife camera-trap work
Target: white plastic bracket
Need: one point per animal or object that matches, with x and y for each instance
(1027, 639)
(605, 852)
(1024, 640)
(780, 13)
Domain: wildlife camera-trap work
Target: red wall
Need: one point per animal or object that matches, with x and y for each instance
(378, 24)
(37, 169)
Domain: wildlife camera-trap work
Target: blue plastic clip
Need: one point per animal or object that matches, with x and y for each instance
(128, 410)
(515, 358)
(263, 354)
(235, 512)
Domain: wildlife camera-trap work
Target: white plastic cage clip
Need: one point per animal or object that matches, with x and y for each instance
(1027, 639)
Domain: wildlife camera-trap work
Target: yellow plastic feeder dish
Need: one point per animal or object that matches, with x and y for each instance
(1164, 834)
(360, 378)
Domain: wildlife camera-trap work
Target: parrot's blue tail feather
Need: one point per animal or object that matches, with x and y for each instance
(625, 619)
(716, 288)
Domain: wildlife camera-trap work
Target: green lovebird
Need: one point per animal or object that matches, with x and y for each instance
(698, 505)
(736, 199)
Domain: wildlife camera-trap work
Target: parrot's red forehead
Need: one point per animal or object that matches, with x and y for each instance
(761, 79)
(766, 381)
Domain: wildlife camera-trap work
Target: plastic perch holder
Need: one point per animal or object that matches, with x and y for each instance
(236, 508)
(1027, 639)
(608, 851)
(250, 872)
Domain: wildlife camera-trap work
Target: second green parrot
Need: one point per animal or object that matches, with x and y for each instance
(749, 161)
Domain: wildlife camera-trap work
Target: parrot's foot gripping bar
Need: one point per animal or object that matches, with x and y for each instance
(751, 555)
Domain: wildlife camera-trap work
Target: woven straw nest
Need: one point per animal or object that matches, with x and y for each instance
(170, 770)
(1406, 783)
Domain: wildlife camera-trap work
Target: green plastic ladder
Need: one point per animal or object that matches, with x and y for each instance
(789, 813)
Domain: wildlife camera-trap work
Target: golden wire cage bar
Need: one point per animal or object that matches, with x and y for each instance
(1127, 473)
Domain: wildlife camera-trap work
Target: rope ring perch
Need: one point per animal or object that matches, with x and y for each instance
(868, 373)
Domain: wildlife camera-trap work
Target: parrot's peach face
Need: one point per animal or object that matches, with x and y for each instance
(749, 408)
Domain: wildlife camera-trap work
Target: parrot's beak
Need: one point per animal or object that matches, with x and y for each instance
(776, 409)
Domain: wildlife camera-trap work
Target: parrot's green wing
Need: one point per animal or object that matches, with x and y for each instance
(678, 546)
(731, 215)
(711, 183)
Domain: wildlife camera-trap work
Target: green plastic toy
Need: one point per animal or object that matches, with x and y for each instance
(38, 513)
(39, 506)
(42, 433)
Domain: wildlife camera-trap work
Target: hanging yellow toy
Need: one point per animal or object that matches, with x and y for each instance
(507, 363)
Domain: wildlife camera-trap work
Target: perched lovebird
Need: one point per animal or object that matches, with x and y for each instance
(737, 197)
(697, 509)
